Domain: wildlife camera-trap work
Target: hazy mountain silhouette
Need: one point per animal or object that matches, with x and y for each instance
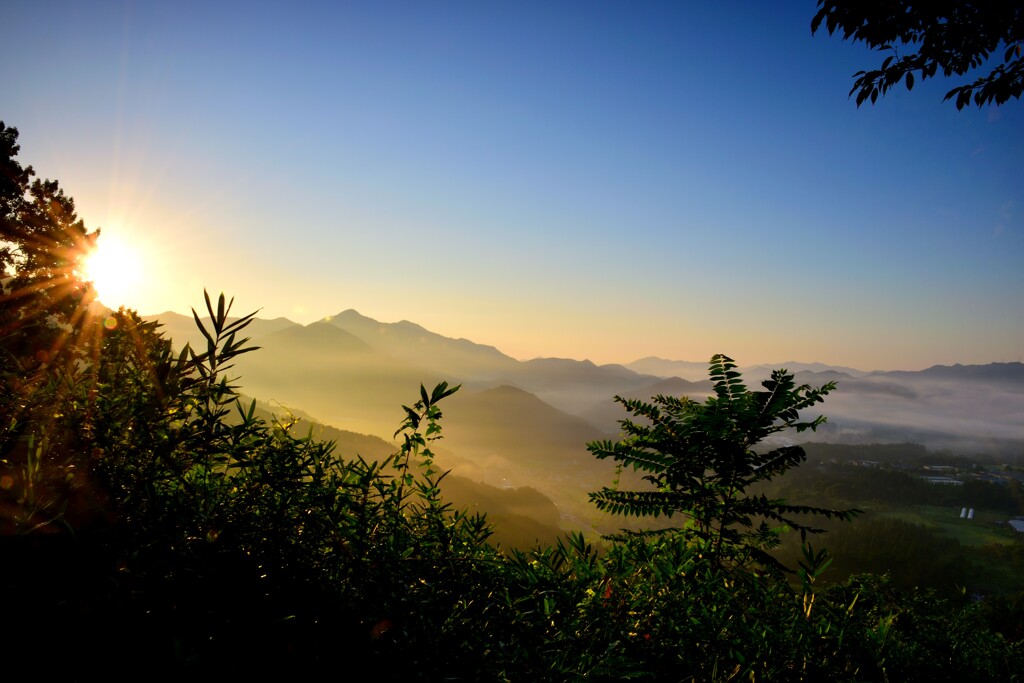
(519, 424)
(862, 385)
(521, 517)
(1010, 375)
(607, 413)
(334, 375)
(764, 370)
(530, 430)
(661, 367)
(355, 372)
(182, 328)
(459, 360)
(697, 371)
(573, 385)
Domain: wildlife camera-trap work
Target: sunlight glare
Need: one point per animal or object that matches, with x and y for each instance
(115, 269)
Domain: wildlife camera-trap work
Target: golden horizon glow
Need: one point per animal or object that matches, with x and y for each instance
(115, 269)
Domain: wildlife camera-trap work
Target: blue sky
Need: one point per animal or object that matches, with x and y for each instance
(582, 179)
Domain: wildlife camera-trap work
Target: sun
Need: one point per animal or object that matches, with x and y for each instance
(115, 269)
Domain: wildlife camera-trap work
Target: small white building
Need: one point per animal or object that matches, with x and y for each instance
(943, 480)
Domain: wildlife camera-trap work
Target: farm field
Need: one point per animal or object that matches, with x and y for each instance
(982, 530)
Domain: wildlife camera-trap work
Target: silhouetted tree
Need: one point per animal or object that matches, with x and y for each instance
(927, 37)
(43, 295)
(42, 240)
(701, 463)
(43, 341)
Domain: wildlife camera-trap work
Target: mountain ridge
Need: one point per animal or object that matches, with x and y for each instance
(171, 320)
(356, 372)
(526, 423)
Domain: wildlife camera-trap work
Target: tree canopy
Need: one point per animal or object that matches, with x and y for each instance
(42, 245)
(924, 38)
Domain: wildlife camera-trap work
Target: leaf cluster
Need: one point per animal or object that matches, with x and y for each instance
(954, 38)
(700, 459)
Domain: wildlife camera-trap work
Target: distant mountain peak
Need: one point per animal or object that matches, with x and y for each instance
(1012, 372)
(551, 360)
(322, 336)
(408, 324)
(659, 359)
(348, 314)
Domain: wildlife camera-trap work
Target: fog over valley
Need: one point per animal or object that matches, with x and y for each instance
(526, 423)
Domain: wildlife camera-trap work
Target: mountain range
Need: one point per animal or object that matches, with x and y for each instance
(526, 423)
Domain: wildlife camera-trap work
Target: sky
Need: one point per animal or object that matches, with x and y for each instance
(598, 180)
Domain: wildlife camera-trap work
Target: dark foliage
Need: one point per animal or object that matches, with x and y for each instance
(701, 462)
(925, 38)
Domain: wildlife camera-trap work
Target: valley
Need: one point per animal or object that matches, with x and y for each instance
(517, 430)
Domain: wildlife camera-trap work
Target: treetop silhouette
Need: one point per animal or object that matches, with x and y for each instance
(925, 38)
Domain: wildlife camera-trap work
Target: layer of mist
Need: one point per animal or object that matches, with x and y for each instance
(524, 425)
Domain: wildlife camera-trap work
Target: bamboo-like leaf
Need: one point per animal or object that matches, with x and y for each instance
(202, 329)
